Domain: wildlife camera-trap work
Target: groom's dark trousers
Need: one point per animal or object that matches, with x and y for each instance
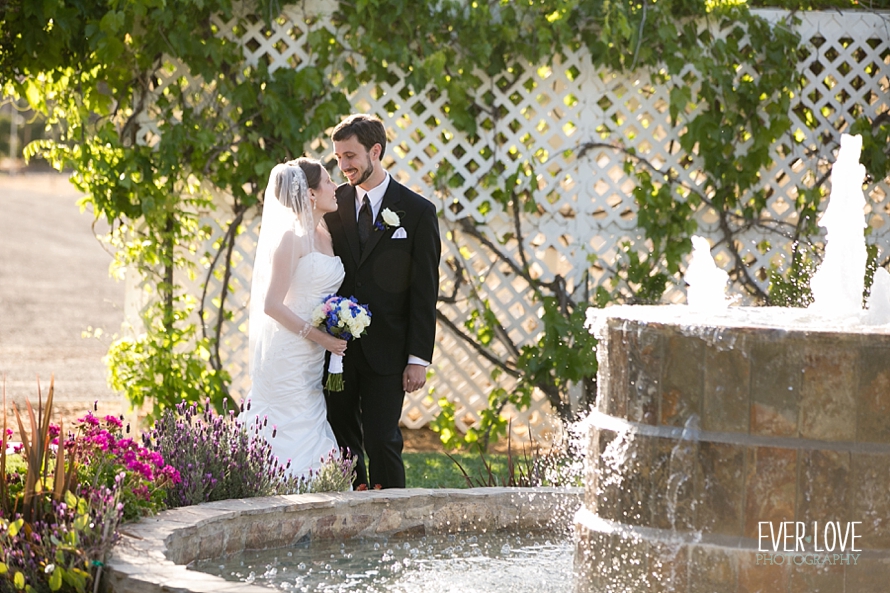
(398, 279)
(367, 414)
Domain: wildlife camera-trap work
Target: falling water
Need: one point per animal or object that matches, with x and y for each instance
(681, 469)
(707, 282)
(878, 309)
(485, 563)
(839, 282)
(759, 380)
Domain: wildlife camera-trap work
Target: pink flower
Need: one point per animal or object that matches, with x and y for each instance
(113, 421)
(101, 439)
(142, 469)
(171, 472)
(125, 444)
(89, 419)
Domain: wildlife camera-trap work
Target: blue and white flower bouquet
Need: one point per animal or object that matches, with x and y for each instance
(343, 318)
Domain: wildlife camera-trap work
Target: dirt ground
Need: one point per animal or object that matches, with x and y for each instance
(54, 286)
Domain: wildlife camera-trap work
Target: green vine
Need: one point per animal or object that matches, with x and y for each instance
(98, 70)
(95, 69)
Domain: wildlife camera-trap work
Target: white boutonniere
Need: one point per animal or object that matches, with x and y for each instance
(390, 218)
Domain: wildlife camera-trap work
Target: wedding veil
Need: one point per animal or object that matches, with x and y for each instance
(286, 209)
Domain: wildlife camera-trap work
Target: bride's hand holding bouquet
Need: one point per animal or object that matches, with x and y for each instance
(331, 343)
(344, 319)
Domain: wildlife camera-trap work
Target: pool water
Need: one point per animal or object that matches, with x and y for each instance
(481, 563)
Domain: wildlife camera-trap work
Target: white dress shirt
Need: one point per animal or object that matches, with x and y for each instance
(375, 196)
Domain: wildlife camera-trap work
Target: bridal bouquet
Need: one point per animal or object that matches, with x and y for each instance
(343, 318)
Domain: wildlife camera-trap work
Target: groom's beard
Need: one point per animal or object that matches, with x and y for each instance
(364, 176)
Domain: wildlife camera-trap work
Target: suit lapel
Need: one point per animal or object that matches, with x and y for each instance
(390, 200)
(346, 210)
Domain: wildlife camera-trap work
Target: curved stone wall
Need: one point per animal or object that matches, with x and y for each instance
(714, 435)
(153, 553)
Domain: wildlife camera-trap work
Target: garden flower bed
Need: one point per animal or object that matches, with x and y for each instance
(62, 505)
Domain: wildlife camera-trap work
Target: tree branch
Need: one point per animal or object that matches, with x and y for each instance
(227, 274)
(443, 319)
(469, 228)
(227, 244)
(458, 282)
(740, 268)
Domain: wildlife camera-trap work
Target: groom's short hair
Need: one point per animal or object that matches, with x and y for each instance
(368, 129)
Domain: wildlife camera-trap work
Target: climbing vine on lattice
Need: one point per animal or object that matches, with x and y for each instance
(164, 107)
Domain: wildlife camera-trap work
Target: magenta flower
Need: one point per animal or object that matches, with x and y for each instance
(89, 419)
(122, 465)
(113, 421)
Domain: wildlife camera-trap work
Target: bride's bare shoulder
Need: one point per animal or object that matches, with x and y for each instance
(323, 240)
(293, 245)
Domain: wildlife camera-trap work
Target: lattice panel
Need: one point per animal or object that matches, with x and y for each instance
(234, 335)
(846, 75)
(566, 117)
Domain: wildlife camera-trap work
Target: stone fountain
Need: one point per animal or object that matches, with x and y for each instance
(738, 449)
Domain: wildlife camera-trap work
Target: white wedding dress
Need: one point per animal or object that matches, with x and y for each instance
(287, 382)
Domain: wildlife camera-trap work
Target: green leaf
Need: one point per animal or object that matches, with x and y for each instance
(55, 579)
(33, 94)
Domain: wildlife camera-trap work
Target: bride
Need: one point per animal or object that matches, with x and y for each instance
(295, 268)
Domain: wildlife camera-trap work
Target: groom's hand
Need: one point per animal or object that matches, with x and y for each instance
(414, 377)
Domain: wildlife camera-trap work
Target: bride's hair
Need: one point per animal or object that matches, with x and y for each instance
(287, 177)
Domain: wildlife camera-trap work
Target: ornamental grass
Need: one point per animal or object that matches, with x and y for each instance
(55, 532)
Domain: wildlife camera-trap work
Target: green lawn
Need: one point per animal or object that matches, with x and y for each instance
(423, 470)
(436, 470)
(15, 463)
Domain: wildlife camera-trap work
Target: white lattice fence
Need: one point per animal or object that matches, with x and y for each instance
(566, 115)
(233, 341)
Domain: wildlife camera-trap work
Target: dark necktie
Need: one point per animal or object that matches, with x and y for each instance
(365, 222)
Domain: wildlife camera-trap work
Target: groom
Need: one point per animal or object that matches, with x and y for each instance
(388, 239)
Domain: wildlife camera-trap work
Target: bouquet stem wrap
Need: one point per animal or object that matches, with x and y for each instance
(335, 373)
(342, 318)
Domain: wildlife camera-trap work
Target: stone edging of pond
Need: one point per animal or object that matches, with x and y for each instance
(153, 553)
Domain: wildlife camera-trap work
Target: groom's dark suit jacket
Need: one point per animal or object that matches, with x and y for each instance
(397, 278)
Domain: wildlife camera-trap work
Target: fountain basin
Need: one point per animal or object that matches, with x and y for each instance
(711, 429)
(153, 553)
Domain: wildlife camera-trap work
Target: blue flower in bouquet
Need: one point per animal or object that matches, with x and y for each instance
(343, 318)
